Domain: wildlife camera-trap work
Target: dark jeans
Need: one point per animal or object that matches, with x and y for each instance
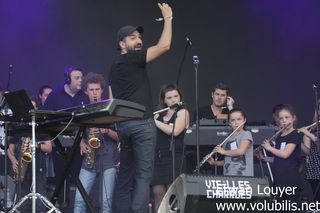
(138, 139)
(59, 164)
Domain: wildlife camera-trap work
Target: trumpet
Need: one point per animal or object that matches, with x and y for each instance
(225, 140)
(273, 137)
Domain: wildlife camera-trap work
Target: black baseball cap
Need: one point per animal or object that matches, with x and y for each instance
(128, 30)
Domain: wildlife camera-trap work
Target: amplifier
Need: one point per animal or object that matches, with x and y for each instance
(213, 135)
(199, 193)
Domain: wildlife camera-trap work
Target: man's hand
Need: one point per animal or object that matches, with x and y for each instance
(26, 143)
(104, 130)
(15, 164)
(95, 131)
(165, 10)
(84, 148)
(230, 102)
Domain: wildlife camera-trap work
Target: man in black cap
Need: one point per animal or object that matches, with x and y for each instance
(129, 81)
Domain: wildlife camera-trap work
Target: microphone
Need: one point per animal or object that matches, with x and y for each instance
(314, 86)
(179, 104)
(10, 69)
(189, 43)
(195, 59)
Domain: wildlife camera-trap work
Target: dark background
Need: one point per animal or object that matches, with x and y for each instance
(266, 51)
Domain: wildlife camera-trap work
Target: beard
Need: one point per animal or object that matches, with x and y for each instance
(136, 47)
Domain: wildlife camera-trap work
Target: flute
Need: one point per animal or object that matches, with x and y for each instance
(273, 136)
(257, 150)
(311, 125)
(225, 140)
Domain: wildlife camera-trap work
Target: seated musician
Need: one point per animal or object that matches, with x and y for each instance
(4, 110)
(22, 169)
(68, 95)
(238, 150)
(101, 160)
(44, 91)
(219, 109)
(222, 103)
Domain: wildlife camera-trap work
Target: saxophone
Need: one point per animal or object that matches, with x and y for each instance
(94, 143)
(25, 157)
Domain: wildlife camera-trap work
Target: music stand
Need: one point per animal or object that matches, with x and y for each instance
(23, 110)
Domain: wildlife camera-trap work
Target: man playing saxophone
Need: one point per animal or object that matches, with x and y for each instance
(101, 153)
(19, 153)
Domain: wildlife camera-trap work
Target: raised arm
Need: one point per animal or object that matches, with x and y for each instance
(164, 42)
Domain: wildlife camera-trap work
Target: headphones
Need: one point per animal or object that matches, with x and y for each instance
(67, 74)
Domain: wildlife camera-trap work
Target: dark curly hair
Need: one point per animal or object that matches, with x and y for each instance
(93, 78)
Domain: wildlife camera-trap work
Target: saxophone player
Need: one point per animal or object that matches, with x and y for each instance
(20, 157)
(100, 153)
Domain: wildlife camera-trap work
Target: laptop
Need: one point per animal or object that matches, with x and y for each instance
(19, 103)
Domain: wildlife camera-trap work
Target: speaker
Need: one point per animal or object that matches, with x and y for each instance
(199, 193)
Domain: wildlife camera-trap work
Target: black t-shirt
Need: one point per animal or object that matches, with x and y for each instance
(286, 171)
(129, 80)
(206, 112)
(59, 99)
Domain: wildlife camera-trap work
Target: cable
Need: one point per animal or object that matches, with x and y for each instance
(68, 124)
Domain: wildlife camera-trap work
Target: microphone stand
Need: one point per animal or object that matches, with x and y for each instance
(34, 195)
(188, 44)
(9, 77)
(317, 127)
(172, 145)
(196, 64)
(317, 115)
(3, 105)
